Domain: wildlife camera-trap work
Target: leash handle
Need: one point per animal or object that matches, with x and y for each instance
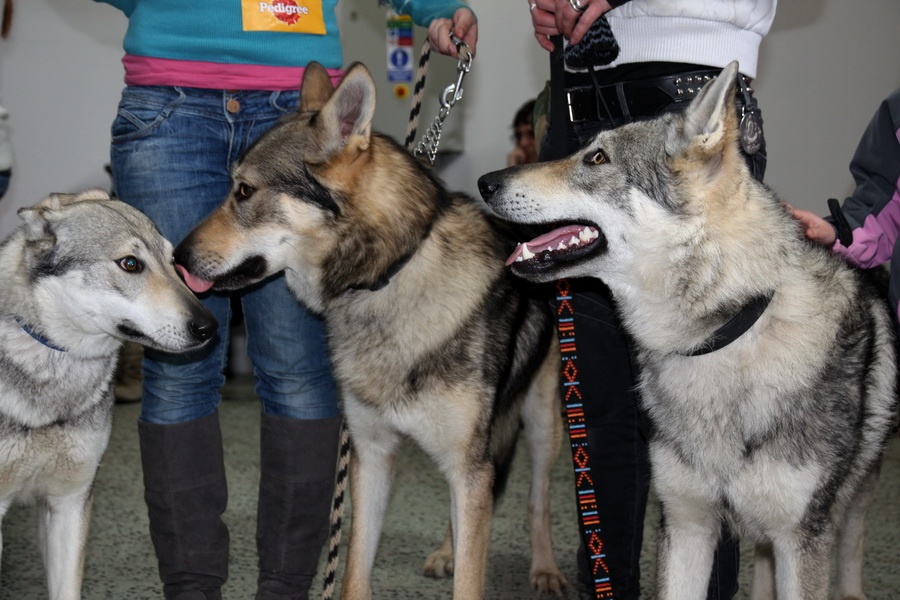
(845, 233)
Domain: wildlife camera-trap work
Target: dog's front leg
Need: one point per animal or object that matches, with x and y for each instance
(371, 475)
(471, 507)
(63, 529)
(763, 585)
(543, 431)
(849, 583)
(802, 561)
(689, 529)
(4, 506)
(685, 558)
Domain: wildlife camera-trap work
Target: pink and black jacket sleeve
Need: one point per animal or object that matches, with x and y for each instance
(873, 211)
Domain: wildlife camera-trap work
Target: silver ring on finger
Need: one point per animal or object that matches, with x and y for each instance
(577, 6)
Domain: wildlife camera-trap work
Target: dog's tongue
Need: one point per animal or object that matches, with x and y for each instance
(558, 239)
(196, 284)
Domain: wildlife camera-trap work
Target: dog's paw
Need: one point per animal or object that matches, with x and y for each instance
(439, 564)
(549, 582)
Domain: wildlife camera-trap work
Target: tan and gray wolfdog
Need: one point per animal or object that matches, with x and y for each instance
(430, 337)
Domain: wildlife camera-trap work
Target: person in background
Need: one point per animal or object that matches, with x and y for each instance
(525, 150)
(203, 81)
(614, 62)
(872, 212)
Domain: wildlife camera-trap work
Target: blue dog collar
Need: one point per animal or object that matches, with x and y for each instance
(27, 328)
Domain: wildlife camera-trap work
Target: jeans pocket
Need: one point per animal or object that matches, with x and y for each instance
(285, 102)
(142, 112)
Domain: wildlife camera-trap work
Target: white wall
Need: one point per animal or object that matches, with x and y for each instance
(824, 69)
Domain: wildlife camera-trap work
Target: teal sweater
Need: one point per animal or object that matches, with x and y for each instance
(212, 31)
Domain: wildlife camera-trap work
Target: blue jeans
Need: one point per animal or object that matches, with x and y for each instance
(172, 149)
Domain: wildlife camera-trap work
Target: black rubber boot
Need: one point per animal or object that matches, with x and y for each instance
(298, 461)
(186, 494)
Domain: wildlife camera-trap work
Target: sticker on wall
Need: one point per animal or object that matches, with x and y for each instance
(401, 91)
(297, 16)
(399, 49)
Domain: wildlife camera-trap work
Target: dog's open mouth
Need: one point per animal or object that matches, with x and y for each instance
(563, 244)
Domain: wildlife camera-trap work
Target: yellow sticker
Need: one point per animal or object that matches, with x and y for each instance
(401, 91)
(298, 16)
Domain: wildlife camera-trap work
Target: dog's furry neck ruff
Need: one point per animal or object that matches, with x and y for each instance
(37, 336)
(734, 327)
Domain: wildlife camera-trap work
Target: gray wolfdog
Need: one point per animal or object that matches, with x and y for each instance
(430, 337)
(79, 276)
(781, 431)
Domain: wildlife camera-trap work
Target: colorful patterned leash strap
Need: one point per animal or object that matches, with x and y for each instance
(584, 482)
(337, 515)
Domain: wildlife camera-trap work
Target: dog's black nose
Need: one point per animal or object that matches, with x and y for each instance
(203, 328)
(488, 184)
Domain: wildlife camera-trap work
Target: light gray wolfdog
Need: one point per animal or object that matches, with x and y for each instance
(430, 337)
(79, 276)
(781, 431)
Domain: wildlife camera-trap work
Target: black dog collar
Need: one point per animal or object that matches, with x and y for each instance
(734, 327)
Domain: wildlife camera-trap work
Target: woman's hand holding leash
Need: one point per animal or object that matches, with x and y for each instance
(463, 25)
(571, 18)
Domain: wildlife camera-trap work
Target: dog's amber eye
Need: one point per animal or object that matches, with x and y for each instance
(599, 157)
(244, 191)
(131, 264)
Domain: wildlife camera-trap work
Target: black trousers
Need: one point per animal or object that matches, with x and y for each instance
(617, 428)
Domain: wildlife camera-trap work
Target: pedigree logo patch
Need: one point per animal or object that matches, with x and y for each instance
(298, 16)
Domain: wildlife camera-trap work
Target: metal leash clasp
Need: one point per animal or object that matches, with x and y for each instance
(452, 94)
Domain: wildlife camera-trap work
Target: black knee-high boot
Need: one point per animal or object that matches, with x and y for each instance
(298, 461)
(186, 494)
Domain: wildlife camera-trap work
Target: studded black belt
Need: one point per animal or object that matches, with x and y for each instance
(633, 99)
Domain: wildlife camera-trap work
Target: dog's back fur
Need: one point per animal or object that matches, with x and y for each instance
(779, 431)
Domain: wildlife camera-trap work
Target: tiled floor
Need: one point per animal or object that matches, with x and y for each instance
(120, 563)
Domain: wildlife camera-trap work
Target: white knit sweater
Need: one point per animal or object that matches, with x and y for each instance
(704, 32)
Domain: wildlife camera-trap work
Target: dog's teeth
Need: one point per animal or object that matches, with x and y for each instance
(574, 241)
(562, 246)
(526, 253)
(519, 258)
(584, 235)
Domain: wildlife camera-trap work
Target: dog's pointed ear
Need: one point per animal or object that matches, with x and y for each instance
(348, 113)
(89, 194)
(316, 88)
(710, 121)
(38, 219)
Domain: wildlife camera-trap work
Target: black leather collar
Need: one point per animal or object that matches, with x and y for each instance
(386, 277)
(734, 327)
